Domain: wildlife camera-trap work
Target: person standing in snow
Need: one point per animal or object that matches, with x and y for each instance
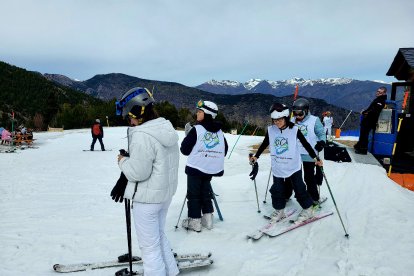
(313, 130)
(6, 137)
(206, 147)
(97, 133)
(284, 139)
(150, 178)
(327, 125)
(369, 120)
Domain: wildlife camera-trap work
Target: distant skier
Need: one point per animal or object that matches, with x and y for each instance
(150, 178)
(97, 133)
(313, 130)
(205, 146)
(284, 139)
(327, 125)
(369, 120)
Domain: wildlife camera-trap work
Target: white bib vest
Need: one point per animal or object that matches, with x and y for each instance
(207, 155)
(308, 130)
(284, 151)
(327, 121)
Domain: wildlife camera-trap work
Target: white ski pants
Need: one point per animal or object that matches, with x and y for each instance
(149, 220)
(328, 132)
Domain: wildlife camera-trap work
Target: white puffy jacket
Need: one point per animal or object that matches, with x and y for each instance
(152, 168)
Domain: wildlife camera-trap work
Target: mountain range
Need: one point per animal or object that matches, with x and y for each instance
(347, 93)
(236, 106)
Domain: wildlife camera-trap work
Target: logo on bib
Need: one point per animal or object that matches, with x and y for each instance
(281, 145)
(210, 140)
(303, 129)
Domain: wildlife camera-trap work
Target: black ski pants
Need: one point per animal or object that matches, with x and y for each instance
(199, 196)
(313, 177)
(279, 194)
(366, 128)
(94, 138)
(310, 176)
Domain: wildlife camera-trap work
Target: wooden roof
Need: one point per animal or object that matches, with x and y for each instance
(402, 68)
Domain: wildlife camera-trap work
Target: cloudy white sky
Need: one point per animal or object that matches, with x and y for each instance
(190, 42)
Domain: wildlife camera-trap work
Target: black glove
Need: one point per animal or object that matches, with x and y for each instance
(255, 170)
(123, 153)
(118, 191)
(320, 145)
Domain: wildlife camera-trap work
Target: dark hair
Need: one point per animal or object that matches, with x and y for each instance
(383, 88)
(149, 114)
(289, 123)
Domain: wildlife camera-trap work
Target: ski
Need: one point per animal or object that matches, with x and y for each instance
(182, 265)
(122, 261)
(257, 234)
(98, 150)
(279, 231)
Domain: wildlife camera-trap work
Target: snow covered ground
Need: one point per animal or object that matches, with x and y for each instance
(55, 208)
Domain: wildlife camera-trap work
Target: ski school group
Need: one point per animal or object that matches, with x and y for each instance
(149, 169)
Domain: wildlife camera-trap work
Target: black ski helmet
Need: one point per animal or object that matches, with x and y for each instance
(278, 110)
(301, 104)
(134, 101)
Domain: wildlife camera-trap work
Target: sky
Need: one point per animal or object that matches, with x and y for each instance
(191, 42)
(56, 208)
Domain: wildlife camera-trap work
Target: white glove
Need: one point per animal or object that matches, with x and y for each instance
(187, 128)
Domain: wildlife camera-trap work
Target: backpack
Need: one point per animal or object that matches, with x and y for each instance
(96, 129)
(336, 153)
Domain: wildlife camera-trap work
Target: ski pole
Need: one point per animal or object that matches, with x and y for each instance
(128, 224)
(215, 203)
(238, 138)
(267, 187)
(345, 119)
(179, 217)
(257, 198)
(255, 186)
(333, 199)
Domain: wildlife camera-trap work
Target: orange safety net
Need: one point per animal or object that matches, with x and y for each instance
(405, 180)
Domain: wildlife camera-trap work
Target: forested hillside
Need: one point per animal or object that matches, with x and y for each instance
(37, 102)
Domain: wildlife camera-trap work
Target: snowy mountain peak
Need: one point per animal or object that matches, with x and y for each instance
(252, 83)
(224, 83)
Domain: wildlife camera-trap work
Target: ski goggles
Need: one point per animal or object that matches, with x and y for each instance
(119, 105)
(298, 113)
(277, 107)
(200, 105)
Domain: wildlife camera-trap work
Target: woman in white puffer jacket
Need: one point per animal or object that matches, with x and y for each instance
(152, 172)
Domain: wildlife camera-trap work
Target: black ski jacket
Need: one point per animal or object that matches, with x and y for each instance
(371, 114)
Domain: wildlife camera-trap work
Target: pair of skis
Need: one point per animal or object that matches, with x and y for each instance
(284, 225)
(184, 262)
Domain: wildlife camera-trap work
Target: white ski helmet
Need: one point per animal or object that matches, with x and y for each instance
(208, 108)
(135, 98)
(278, 110)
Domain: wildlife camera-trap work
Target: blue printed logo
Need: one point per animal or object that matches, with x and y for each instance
(303, 129)
(281, 145)
(210, 140)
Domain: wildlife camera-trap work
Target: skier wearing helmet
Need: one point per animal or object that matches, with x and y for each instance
(312, 129)
(285, 139)
(151, 170)
(327, 125)
(206, 147)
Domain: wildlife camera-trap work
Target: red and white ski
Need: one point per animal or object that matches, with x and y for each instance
(257, 234)
(277, 231)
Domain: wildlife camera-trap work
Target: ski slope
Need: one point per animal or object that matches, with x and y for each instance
(55, 208)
